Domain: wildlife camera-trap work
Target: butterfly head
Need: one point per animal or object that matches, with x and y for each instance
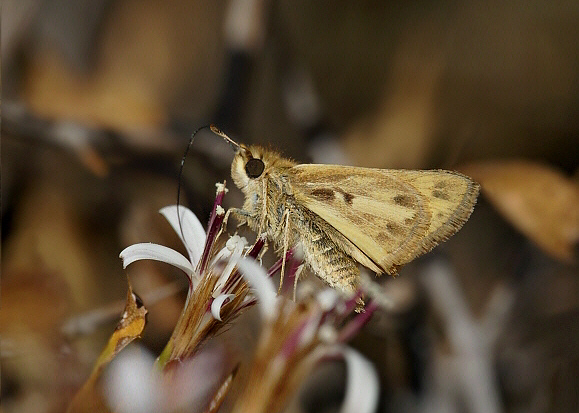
(248, 167)
(249, 163)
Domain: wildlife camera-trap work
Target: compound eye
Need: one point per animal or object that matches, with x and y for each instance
(254, 167)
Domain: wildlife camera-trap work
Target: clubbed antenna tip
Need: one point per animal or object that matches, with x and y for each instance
(219, 132)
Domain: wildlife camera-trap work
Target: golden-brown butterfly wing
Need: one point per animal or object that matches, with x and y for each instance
(385, 217)
(451, 198)
(392, 216)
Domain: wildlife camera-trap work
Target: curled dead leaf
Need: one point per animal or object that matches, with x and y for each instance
(537, 199)
(89, 397)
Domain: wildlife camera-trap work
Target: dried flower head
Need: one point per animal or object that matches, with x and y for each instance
(295, 337)
(217, 293)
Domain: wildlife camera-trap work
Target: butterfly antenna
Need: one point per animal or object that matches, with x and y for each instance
(215, 130)
(219, 132)
(180, 178)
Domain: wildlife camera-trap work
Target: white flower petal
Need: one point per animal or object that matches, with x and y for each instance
(193, 235)
(235, 241)
(150, 251)
(310, 330)
(234, 246)
(362, 384)
(263, 286)
(218, 303)
(327, 299)
(223, 253)
(129, 385)
(328, 334)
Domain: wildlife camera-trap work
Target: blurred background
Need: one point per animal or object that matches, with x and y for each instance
(100, 97)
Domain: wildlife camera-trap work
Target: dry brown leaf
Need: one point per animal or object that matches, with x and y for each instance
(89, 398)
(537, 199)
(400, 132)
(145, 56)
(35, 358)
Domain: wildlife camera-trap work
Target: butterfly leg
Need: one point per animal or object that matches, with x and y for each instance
(285, 218)
(263, 207)
(296, 278)
(241, 215)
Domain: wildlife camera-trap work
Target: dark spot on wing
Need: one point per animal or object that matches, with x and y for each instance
(383, 238)
(404, 200)
(369, 218)
(347, 196)
(440, 195)
(394, 228)
(408, 221)
(440, 185)
(323, 194)
(357, 219)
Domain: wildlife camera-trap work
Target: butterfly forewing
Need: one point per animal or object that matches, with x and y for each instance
(451, 197)
(382, 215)
(392, 216)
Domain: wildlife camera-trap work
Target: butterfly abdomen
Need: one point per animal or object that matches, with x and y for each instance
(321, 254)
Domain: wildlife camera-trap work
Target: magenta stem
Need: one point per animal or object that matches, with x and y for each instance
(215, 221)
(354, 326)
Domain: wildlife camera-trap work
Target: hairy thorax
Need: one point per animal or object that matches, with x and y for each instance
(285, 220)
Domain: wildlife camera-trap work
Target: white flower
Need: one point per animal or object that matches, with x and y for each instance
(191, 233)
(217, 292)
(193, 236)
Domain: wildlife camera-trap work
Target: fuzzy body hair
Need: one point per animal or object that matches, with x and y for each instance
(343, 216)
(269, 197)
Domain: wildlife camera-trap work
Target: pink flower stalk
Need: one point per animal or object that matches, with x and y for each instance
(298, 335)
(217, 293)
